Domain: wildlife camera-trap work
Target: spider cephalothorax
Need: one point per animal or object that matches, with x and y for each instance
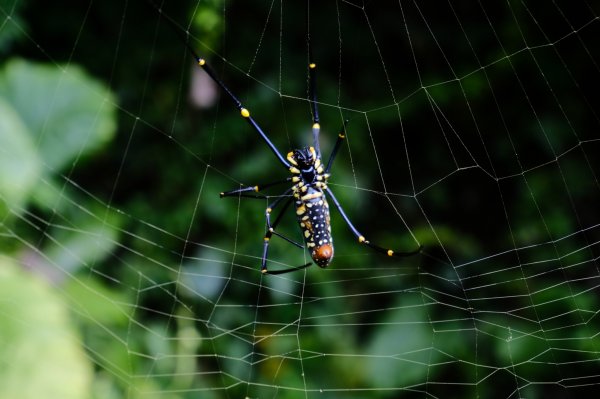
(303, 158)
(306, 164)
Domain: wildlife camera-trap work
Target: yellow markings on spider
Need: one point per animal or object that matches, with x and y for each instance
(201, 62)
(245, 113)
(361, 239)
(290, 157)
(390, 252)
(300, 210)
(312, 65)
(256, 188)
(311, 196)
(294, 170)
(316, 126)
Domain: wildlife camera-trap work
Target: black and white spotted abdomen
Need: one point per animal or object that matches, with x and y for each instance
(312, 211)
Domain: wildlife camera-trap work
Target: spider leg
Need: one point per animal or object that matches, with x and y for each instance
(271, 231)
(312, 94)
(362, 239)
(316, 127)
(271, 226)
(211, 73)
(243, 191)
(336, 147)
(243, 111)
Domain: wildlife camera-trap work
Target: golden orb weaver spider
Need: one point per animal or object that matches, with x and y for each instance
(309, 176)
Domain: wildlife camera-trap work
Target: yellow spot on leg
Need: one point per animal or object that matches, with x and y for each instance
(316, 126)
(245, 113)
(361, 239)
(390, 252)
(201, 62)
(312, 65)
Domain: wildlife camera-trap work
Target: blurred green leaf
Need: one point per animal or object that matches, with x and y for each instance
(98, 304)
(20, 165)
(68, 113)
(400, 351)
(40, 352)
(90, 244)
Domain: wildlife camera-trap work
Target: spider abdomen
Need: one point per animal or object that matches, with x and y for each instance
(312, 211)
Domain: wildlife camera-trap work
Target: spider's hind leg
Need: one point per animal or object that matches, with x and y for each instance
(255, 193)
(362, 240)
(271, 231)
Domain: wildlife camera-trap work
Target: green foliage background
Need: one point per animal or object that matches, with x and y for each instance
(473, 131)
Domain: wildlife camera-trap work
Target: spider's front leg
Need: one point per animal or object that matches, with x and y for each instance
(252, 191)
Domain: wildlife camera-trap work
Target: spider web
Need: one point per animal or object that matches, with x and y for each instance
(473, 130)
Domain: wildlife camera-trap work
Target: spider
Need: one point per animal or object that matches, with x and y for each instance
(309, 191)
